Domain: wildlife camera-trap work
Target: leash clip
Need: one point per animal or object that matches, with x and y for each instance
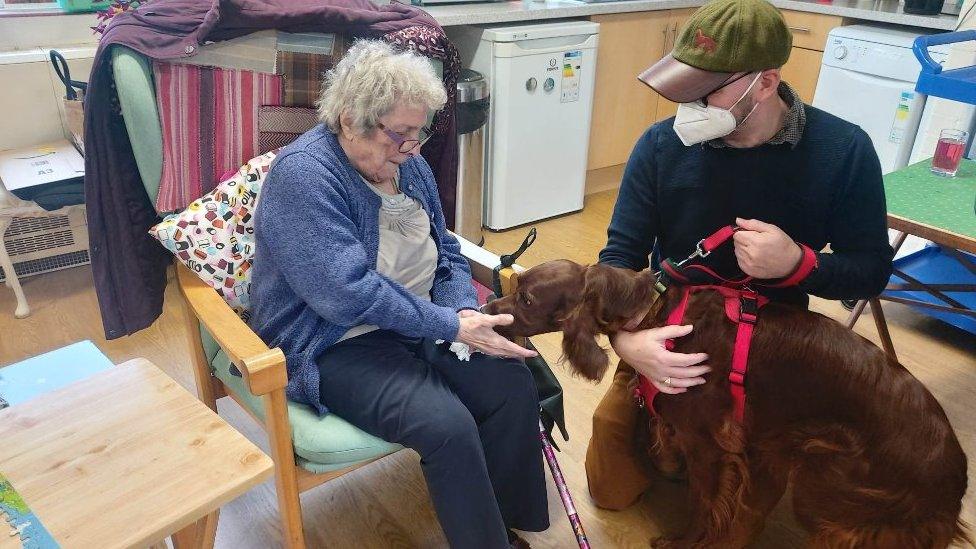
(700, 250)
(698, 253)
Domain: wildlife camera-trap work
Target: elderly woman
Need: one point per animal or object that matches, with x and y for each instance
(356, 277)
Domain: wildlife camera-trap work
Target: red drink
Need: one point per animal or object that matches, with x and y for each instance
(948, 152)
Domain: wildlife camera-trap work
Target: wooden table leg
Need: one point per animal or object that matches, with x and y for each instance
(899, 240)
(199, 535)
(8, 270)
(879, 322)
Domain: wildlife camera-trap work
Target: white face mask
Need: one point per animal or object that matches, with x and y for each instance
(696, 122)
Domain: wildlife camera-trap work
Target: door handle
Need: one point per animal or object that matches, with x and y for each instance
(799, 29)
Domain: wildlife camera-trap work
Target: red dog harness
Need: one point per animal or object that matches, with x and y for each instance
(742, 306)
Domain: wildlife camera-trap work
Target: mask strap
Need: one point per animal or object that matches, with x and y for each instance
(744, 94)
(738, 124)
(748, 115)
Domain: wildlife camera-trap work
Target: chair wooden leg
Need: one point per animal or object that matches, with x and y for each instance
(856, 313)
(199, 535)
(286, 479)
(882, 325)
(876, 311)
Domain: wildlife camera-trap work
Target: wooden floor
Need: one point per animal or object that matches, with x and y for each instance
(385, 504)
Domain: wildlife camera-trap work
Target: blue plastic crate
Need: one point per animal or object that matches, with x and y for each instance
(931, 265)
(956, 84)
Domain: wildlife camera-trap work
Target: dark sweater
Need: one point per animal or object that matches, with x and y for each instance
(826, 189)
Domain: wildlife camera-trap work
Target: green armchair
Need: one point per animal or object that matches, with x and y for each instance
(308, 450)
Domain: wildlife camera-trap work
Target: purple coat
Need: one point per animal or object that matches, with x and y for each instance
(129, 267)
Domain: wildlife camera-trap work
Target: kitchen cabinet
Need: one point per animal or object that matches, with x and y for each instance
(810, 29)
(809, 38)
(623, 107)
(802, 71)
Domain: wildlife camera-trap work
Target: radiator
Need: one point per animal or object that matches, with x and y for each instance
(47, 243)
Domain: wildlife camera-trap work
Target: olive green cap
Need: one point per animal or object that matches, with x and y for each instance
(723, 40)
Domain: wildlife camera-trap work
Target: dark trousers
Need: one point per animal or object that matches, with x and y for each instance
(474, 424)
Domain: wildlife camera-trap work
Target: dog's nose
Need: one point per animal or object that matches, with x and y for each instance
(497, 306)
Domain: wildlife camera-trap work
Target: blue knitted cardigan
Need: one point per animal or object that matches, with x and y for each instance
(316, 240)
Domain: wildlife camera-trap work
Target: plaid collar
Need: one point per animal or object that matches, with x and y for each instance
(796, 119)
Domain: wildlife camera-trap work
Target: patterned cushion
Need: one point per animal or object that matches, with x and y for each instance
(214, 235)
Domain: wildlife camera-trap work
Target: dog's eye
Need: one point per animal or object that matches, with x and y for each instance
(525, 299)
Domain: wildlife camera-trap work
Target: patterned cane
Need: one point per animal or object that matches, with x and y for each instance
(557, 477)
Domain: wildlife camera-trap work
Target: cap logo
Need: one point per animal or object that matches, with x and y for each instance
(704, 42)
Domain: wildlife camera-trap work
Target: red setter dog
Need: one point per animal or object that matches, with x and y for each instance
(870, 454)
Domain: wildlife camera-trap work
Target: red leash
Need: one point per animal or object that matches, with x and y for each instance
(742, 306)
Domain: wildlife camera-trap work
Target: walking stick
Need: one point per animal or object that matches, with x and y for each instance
(557, 477)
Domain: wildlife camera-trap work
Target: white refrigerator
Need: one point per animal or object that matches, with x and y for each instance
(541, 78)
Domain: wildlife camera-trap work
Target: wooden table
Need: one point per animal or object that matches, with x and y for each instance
(936, 208)
(125, 458)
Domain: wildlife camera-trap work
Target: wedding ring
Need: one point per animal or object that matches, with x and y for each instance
(667, 381)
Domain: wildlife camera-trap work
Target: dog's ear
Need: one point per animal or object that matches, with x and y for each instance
(584, 323)
(580, 348)
(611, 297)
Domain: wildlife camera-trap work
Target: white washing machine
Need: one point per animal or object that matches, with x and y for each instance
(541, 77)
(867, 77)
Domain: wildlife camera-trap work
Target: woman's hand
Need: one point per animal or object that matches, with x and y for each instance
(477, 330)
(671, 373)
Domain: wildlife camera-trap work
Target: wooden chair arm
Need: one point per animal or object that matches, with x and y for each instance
(483, 262)
(263, 368)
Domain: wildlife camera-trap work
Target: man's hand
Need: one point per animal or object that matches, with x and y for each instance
(765, 251)
(645, 352)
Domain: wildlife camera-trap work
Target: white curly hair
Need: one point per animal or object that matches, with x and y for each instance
(371, 79)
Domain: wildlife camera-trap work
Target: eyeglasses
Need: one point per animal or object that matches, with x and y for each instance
(731, 80)
(406, 144)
